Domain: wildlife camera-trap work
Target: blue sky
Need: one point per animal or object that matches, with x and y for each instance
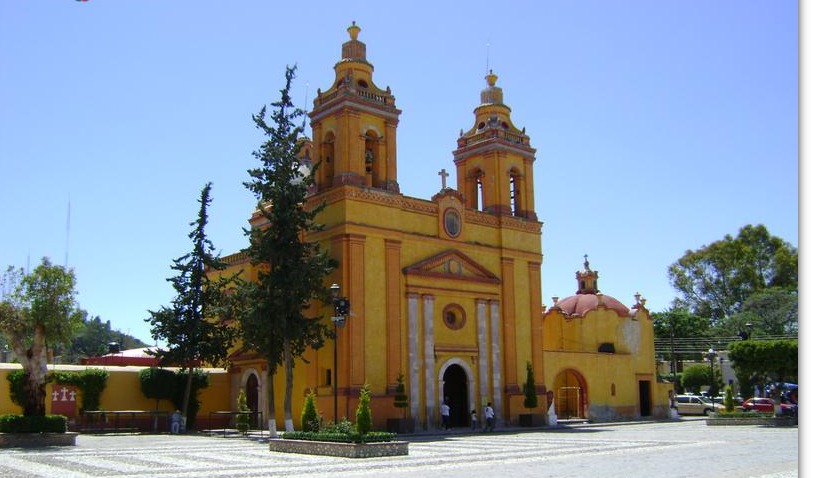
(659, 126)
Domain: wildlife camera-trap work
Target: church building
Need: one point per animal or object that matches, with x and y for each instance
(448, 290)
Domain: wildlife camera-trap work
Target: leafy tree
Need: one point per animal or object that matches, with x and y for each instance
(291, 270)
(695, 376)
(364, 417)
(772, 311)
(760, 363)
(310, 416)
(716, 280)
(37, 309)
(94, 337)
(529, 388)
(191, 326)
(401, 398)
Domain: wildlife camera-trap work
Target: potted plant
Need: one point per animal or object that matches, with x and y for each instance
(531, 401)
(403, 424)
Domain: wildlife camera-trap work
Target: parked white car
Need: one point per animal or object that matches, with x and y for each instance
(696, 405)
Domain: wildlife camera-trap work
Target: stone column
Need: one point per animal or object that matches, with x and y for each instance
(482, 350)
(429, 358)
(496, 360)
(412, 357)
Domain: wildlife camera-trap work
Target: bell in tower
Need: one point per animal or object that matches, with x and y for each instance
(494, 159)
(354, 124)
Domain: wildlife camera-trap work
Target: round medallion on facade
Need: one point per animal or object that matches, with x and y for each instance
(452, 222)
(454, 316)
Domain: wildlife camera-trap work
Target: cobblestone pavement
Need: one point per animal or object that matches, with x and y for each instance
(679, 448)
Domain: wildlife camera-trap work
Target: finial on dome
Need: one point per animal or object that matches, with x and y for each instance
(491, 78)
(354, 30)
(586, 263)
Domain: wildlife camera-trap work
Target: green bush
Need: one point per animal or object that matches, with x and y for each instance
(353, 437)
(729, 399)
(310, 416)
(90, 382)
(242, 419)
(33, 424)
(16, 379)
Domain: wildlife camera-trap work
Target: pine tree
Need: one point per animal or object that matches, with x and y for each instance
(529, 388)
(310, 416)
(364, 416)
(191, 327)
(401, 399)
(291, 270)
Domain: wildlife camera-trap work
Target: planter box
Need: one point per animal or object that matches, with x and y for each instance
(761, 421)
(34, 440)
(531, 420)
(400, 425)
(346, 450)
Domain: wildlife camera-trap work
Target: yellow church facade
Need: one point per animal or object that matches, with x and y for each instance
(447, 290)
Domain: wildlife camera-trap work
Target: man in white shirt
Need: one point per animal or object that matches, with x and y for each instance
(489, 414)
(444, 415)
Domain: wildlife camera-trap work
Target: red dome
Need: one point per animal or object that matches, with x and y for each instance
(581, 304)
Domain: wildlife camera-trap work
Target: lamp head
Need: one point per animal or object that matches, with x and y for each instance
(334, 289)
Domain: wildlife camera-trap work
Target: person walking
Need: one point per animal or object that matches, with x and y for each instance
(473, 420)
(444, 415)
(489, 414)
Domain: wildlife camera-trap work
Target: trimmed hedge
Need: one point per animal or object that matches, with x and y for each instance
(352, 437)
(33, 424)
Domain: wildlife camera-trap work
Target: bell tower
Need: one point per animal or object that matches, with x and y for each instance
(494, 159)
(354, 125)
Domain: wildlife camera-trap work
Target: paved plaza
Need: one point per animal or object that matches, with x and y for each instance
(687, 448)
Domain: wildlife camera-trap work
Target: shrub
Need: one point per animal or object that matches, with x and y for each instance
(364, 417)
(729, 399)
(90, 382)
(16, 379)
(352, 437)
(242, 418)
(310, 416)
(33, 424)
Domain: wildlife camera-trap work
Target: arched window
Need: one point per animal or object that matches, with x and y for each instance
(515, 187)
(328, 158)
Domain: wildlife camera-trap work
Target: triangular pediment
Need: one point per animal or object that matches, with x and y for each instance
(452, 264)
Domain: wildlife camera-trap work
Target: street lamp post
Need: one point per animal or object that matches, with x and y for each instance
(712, 356)
(341, 308)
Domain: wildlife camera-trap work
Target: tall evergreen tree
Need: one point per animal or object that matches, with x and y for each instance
(193, 326)
(291, 270)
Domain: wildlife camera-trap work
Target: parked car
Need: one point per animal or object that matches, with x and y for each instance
(765, 405)
(696, 405)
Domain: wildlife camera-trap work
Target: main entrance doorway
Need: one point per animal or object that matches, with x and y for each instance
(455, 392)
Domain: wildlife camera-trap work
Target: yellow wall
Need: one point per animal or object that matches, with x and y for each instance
(123, 390)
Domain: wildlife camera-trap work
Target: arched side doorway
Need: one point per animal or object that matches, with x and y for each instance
(251, 387)
(570, 394)
(456, 386)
